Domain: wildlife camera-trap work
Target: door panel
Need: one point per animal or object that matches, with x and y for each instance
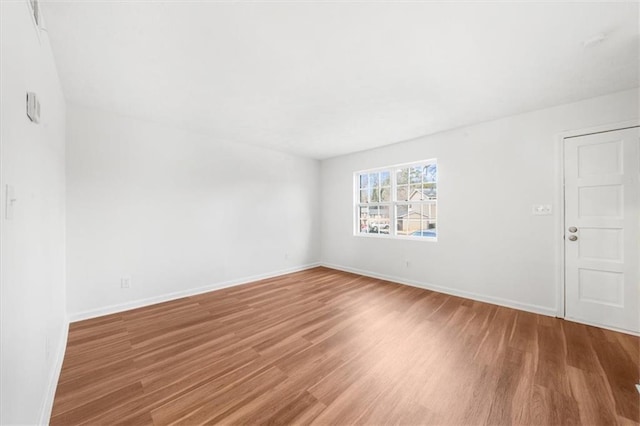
(600, 201)
(600, 244)
(602, 192)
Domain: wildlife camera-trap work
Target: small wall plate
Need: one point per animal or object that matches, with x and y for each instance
(541, 209)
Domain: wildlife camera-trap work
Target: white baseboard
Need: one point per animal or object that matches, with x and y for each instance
(551, 312)
(54, 376)
(606, 327)
(113, 309)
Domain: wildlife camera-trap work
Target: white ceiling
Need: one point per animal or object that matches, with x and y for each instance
(321, 79)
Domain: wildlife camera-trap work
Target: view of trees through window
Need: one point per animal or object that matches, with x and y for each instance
(398, 201)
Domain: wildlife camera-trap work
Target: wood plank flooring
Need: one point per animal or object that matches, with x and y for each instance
(328, 347)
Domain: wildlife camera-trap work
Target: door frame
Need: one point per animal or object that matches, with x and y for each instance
(560, 199)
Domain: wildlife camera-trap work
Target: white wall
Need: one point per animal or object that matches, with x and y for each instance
(489, 244)
(177, 211)
(32, 290)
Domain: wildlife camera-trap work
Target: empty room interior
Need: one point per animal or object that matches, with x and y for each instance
(322, 212)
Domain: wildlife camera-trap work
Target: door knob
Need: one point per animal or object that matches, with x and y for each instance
(572, 237)
(573, 229)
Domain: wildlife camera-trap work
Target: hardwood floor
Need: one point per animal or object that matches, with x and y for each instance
(328, 347)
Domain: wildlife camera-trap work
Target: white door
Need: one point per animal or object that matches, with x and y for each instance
(602, 202)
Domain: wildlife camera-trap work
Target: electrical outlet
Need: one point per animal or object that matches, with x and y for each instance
(125, 282)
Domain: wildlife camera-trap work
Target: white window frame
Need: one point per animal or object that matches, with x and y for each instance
(392, 203)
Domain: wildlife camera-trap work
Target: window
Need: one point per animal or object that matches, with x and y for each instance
(397, 201)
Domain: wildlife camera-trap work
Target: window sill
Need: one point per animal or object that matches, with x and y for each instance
(397, 237)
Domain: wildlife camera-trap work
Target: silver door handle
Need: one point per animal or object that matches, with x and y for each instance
(573, 229)
(572, 237)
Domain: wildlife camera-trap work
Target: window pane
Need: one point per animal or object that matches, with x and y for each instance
(431, 173)
(427, 222)
(385, 220)
(402, 219)
(415, 174)
(402, 176)
(374, 182)
(374, 194)
(363, 219)
(385, 178)
(414, 225)
(374, 187)
(402, 193)
(379, 220)
(402, 210)
(429, 211)
(364, 179)
(415, 193)
(385, 194)
(430, 191)
(364, 196)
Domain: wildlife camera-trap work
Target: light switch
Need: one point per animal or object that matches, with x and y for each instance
(10, 199)
(541, 209)
(125, 282)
